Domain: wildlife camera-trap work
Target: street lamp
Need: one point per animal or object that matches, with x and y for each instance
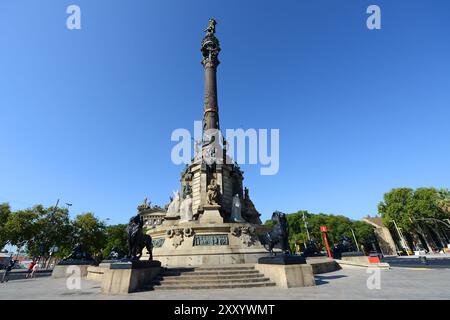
(54, 248)
(306, 226)
(402, 240)
(356, 241)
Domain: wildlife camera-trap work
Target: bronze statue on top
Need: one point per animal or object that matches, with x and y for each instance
(211, 26)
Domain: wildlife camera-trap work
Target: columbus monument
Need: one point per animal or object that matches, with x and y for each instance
(211, 219)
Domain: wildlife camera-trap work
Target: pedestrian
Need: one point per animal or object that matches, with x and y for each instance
(35, 267)
(8, 270)
(30, 269)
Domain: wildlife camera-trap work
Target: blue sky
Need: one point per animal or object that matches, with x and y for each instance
(86, 115)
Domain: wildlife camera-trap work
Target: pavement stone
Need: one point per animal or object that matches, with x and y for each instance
(397, 283)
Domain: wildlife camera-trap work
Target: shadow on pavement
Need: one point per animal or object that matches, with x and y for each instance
(324, 279)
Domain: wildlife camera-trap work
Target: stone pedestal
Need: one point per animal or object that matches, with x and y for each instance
(211, 214)
(322, 264)
(358, 259)
(67, 268)
(96, 272)
(285, 259)
(127, 277)
(288, 276)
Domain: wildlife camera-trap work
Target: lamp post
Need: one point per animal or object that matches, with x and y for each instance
(306, 226)
(52, 251)
(356, 241)
(402, 240)
(54, 248)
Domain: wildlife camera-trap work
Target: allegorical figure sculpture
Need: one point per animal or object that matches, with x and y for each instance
(187, 190)
(174, 207)
(279, 233)
(236, 210)
(145, 204)
(213, 193)
(186, 209)
(137, 240)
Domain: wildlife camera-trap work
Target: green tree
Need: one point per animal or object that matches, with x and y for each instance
(443, 202)
(20, 227)
(337, 226)
(395, 207)
(89, 231)
(5, 212)
(365, 233)
(52, 229)
(414, 212)
(116, 236)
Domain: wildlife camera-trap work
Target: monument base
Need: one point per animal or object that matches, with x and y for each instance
(284, 259)
(197, 243)
(288, 276)
(130, 276)
(211, 214)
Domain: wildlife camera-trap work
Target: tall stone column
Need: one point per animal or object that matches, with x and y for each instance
(210, 51)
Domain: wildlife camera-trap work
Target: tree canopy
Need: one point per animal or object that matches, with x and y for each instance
(416, 212)
(40, 230)
(337, 226)
(116, 236)
(5, 212)
(405, 206)
(90, 231)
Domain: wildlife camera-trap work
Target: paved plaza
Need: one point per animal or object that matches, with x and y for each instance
(348, 284)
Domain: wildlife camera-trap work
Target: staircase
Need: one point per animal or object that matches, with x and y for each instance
(211, 277)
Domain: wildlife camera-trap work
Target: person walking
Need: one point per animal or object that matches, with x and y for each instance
(30, 269)
(8, 270)
(35, 268)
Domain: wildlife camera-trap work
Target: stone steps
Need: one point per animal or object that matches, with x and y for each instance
(217, 277)
(224, 268)
(214, 286)
(230, 276)
(206, 273)
(212, 281)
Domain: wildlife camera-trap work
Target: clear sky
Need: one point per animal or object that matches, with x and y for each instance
(86, 115)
